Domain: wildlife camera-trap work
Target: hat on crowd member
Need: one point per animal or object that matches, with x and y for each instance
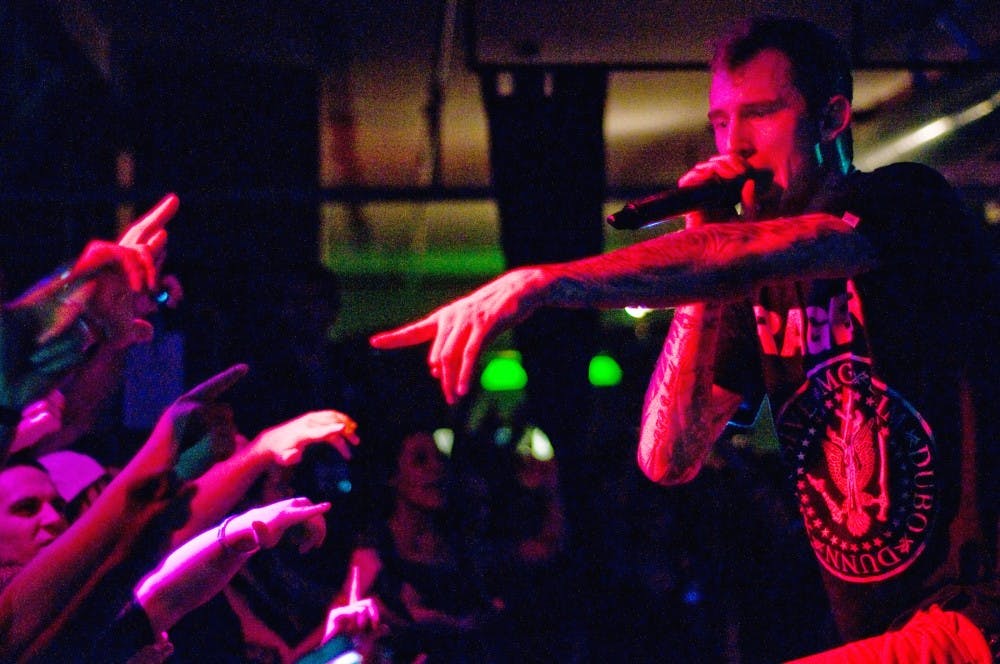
(72, 472)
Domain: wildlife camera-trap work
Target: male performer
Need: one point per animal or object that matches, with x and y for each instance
(860, 303)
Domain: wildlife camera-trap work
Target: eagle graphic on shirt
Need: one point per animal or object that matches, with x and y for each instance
(852, 456)
(864, 466)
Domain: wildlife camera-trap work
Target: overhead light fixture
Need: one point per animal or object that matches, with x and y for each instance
(637, 312)
(505, 373)
(927, 133)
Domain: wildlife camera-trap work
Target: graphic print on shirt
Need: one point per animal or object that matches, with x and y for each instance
(864, 470)
(863, 461)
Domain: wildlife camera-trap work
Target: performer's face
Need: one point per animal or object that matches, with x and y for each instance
(758, 114)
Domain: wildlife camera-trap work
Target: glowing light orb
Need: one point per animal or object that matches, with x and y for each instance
(604, 371)
(444, 440)
(504, 373)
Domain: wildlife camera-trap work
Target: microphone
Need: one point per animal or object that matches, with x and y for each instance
(675, 202)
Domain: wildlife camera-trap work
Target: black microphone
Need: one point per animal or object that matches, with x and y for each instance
(675, 202)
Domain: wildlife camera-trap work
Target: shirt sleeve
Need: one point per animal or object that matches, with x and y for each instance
(908, 212)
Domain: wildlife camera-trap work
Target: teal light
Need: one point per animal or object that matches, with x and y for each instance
(604, 371)
(504, 373)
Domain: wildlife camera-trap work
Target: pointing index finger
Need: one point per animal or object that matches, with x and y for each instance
(408, 335)
(212, 388)
(352, 595)
(152, 222)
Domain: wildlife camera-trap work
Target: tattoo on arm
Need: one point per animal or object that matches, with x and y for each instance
(681, 415)
(712, 262)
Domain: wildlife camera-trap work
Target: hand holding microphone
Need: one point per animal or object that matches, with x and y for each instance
(694, 192)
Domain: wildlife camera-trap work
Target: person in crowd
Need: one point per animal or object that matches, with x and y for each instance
(130, 519)
(291, 351)
(201, 567)
(429, 596)
(208, 496)
(281, 597)
(79, 479)
(226, 482)
(54, 330)
(49, 332)
(257, 472)
(31, 515)
(187, 474)
(528, 531)
(189, 576)
(70, 413)
(812, 293)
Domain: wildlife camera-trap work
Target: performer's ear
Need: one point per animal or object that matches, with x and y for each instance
(835, 118)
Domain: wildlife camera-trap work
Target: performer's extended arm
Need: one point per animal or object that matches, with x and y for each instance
(711, 263)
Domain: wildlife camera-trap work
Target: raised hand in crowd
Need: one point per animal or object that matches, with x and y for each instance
(287, 441)
(188, 419)
(39, 419)
(224, 484)
(133, 261)
(54, 327)
(197, 570)
(355, 617)
(138, 253)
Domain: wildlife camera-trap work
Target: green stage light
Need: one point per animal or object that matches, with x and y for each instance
(604, 371)
(504, 373)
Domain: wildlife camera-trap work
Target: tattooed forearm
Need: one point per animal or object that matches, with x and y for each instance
(712, 262)
(681, 417)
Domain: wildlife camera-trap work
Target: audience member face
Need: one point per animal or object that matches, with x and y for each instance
(31, 513)
(420, 474)
(757, 113)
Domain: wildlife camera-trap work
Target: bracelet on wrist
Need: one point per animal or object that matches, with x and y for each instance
(229, 548)
(221, 533)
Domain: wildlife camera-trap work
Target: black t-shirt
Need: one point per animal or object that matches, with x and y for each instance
(452, 587)
(877, 384)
